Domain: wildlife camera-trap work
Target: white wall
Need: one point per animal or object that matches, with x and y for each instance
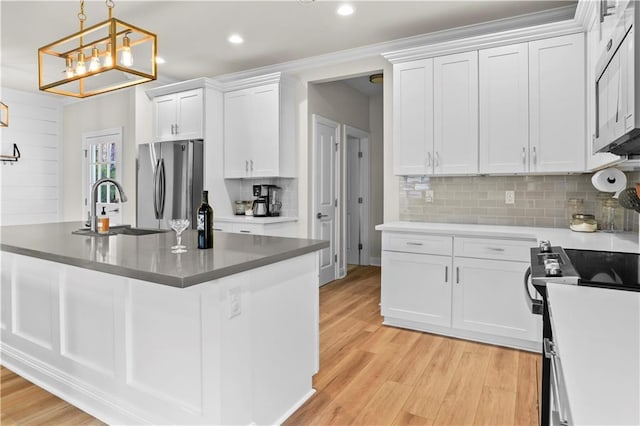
(377, 140)
(116, 109)
(336, 72)
(31, 189)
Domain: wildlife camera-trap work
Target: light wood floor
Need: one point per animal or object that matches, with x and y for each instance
(369, 374)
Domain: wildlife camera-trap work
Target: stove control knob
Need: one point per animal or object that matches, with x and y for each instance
(545, 246)
(552, 269)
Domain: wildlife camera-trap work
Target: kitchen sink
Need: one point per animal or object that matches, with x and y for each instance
(121, 230)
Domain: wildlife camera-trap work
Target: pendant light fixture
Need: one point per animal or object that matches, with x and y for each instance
(107, 56)
(4, 115)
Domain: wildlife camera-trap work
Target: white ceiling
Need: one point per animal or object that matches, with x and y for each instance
(192, 35)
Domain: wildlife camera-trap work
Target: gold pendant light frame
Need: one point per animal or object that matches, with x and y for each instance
(98, 48)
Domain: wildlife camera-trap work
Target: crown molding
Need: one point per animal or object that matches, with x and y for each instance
(181, 86)
(585, 10)
(253, 81)
(484, 41)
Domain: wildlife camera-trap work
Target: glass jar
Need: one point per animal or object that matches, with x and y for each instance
(608, 217)
(582, 222)
(574, 206)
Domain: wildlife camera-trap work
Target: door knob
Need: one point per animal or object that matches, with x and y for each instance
(320, 215)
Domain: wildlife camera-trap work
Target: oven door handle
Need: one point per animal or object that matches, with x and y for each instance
(535, 306)
(558, 397)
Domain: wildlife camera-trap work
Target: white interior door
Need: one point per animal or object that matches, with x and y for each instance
(325, 143)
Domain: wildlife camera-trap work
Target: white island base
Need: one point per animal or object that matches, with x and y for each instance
(238, 350)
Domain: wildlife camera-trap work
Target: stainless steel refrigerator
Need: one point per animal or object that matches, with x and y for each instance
(169, 183)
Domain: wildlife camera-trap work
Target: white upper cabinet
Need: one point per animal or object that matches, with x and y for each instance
(455, 114)
(179, 115)
(504, 109)
(259, 132)
(436, 115)
(413, 117)
(557, 104)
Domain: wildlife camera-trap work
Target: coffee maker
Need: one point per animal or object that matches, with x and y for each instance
(268, 200)
(261, 203)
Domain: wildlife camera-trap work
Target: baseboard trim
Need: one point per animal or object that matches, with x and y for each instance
(295, 406)
(63, 386)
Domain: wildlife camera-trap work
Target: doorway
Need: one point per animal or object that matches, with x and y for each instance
(326, 140)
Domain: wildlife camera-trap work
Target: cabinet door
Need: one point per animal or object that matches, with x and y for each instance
(190, 114)
(413, 118)
(504, 109)
(265, 136)
(455, 113)
(488, 297)
(416, 287)
(165, 117)
(236, 134)
(557, 108)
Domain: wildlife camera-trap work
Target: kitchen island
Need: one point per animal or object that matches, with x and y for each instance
(134, 334)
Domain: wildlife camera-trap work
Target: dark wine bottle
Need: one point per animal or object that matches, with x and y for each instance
(205, 223)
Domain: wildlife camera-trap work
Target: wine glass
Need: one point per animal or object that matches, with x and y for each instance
(179, 225)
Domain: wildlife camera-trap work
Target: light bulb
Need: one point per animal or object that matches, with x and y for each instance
(69, 68)
(108, 59)
(126, 58)
(94, 65)
(80, 66)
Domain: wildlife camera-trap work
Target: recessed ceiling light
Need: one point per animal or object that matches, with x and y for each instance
(160, 60)
(345, 10)
(235, 39)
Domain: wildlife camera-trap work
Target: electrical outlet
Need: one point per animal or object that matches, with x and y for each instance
(509, 197)
(428, 196)
(235, 304)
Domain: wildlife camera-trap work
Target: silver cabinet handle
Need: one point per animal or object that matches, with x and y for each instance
(410, 243)
(437, 159)
(176, 129)
(535, 156)
(246, 166)
(457, 275)
(251, 161)
(524, 155)
(550, 352)
(429, 159)
(172, 131)
(244, 231)
(320, 215)
(446, 274)
(498, 249)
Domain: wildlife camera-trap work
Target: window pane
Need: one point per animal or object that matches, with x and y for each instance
(103, 193)
(112, 152)
(113, 171)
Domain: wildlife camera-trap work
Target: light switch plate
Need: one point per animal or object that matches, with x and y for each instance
(428, 196)
(509, 197)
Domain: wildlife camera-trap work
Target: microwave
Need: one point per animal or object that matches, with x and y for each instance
(618, 89)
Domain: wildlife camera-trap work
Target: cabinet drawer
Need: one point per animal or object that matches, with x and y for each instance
(223, 227)
(490, 248)
(248, 228)
(417, 243)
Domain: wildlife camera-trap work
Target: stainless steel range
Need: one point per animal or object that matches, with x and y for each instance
(614, 270)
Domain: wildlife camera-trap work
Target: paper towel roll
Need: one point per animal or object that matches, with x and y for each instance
(609, 180)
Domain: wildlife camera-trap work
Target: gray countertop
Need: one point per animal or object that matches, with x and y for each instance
(149, 257)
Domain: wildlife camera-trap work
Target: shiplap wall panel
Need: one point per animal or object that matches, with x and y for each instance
(31, 189)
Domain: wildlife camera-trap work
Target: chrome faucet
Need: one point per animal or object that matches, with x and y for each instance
(94, 196)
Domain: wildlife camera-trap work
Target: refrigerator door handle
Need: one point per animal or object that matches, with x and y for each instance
(156, 175)
(163, 188)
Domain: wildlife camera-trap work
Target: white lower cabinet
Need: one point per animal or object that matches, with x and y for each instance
(419, 287)
(470, 288)
(488, 297)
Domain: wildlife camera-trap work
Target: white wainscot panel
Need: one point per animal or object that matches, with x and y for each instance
(164, 346)
(33, 294)
(88, 319)
(6, 272)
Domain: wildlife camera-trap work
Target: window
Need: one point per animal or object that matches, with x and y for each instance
(103, 159)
